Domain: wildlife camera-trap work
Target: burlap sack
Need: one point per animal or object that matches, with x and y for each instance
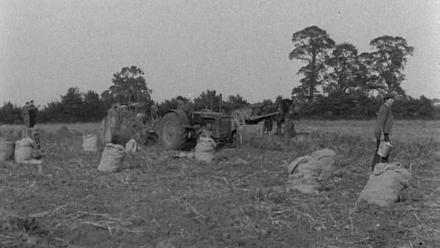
(306, 172)
(6, 149)
(23, 150)
(112, 158)
(106, 134)
(385, 184)
(326, 159)
(90, 143)
(205, 149)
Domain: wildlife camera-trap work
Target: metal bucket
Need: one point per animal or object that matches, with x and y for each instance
(384, 149)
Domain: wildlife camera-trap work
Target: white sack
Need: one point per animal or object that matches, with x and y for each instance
(131, 146)
(205, 149)
(23, 150)
(90, 143)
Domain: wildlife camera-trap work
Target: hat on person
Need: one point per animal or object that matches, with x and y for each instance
(389, 95)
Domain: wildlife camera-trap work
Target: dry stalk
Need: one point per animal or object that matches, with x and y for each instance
(105, 225)
(50, 213)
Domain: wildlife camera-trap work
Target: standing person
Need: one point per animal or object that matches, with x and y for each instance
(289, 129)
(32, 114)
(26, 117)
(384, 123)
(154, 110)
(184, 105)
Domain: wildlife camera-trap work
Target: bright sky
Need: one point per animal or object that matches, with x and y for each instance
(188, 46)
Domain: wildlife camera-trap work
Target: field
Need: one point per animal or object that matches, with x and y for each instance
(240, 200)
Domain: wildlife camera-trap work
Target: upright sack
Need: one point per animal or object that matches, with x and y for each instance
(112, 158)
(106, 135)
(205, 149)
(90, 143)
(6, 149)
(23, 150)
(131, 146)
(385, 184)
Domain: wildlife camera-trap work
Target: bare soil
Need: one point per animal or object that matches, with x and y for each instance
(159, 201)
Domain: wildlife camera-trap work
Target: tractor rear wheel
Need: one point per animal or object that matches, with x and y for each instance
(172, 134)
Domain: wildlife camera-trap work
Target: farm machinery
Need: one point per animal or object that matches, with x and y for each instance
(125, 122)
(252, 119)
(177, 127)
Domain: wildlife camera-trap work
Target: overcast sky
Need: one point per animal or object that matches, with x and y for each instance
(188, 46)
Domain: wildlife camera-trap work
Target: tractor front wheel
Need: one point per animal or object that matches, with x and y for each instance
(172, 134)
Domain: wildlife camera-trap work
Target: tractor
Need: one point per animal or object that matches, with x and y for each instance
(177, 127)
(125, 122)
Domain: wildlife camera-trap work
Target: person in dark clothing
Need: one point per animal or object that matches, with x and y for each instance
(383, 126)
(184, 105)
(289, 129)
(32, 114)
(26, 117)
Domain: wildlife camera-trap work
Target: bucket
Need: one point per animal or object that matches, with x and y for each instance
(384, 149)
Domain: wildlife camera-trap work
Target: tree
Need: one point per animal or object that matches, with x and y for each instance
(343, 62)
(311, 47)
(209, 100)
(129, 85)
(10, 114)
(389, 60)
(364, 76)
(94, 108)
(234, 102)
(72, 105)
(51, 113)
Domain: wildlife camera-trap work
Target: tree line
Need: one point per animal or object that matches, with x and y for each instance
(338, 83)
(76, 106)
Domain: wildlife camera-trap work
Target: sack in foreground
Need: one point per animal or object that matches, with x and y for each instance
(6, 149)
(112, 158)
(307, 172)
(385, 184)
(205, 149)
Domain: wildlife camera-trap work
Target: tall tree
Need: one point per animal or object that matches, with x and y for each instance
(311, 47)
(343, 64)
(94, 108)
(72, 105)
(389, 60)
(365, 76)
(129, 85)
(208, 99)
(10, 114)
(234, 102)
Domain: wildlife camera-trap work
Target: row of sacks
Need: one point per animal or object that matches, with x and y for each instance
(383, 188)
(113, 156)
(90, 144)
(22, 151)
